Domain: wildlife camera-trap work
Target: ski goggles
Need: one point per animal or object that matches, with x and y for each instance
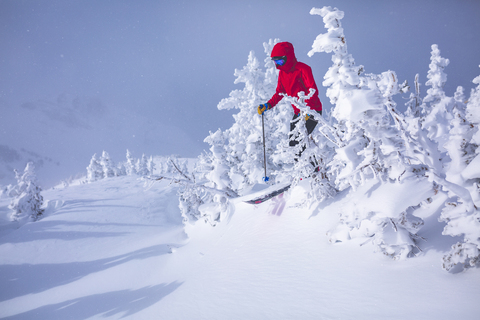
(279, 61)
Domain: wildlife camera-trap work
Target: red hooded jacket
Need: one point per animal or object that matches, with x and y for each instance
(294, 77)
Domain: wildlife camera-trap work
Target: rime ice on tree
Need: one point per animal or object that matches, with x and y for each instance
(369, 147)
(94, 170)
(130, 164)
(107, 164)
(28, 201)
(463, 215)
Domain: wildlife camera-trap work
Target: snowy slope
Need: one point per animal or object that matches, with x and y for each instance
(118, 248)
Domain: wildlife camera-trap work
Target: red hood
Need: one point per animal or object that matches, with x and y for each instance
(285, 49)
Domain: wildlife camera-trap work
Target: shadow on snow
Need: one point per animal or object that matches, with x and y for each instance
(20, 280)
(108, 304)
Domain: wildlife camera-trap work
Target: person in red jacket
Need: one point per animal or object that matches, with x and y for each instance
(293, 78)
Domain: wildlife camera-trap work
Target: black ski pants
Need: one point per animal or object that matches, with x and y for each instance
(311, 123)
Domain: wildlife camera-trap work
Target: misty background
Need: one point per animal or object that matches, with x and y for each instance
(79, 77)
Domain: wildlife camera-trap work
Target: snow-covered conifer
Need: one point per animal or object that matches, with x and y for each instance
(142, 166)
(459, 147)
(243, 141)
(130, 164)
(190, 199)
(162, 165)
(151, 165)
(463, 215)
(473, 111)
(369, 147)
(213, 167)
(345, 91)
(415, 101)
(437, 107)
(28, 201)
(436, 76)
(107, 164)
(120, 169)
(94, 170)
(218, 176)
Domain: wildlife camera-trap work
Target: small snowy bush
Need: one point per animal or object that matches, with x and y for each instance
(28, 200)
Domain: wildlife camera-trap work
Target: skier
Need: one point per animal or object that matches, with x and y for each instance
(294, 77)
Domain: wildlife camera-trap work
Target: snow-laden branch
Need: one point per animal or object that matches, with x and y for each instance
(300, 103)
(227, 193)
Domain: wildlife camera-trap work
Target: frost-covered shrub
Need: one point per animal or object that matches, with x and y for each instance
(217, 176)
(199, 198)
(462, 219)
(28, 200)
(210, 199)
(190, 199)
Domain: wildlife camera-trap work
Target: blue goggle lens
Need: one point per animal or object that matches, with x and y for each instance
(280, 62)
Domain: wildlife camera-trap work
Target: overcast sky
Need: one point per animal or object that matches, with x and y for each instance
(174, 60)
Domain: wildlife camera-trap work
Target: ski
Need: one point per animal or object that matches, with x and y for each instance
(268, 196)
(259, 197)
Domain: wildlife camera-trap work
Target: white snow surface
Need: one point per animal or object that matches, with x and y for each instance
(119, 249)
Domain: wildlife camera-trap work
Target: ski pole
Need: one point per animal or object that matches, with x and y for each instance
(265, 178)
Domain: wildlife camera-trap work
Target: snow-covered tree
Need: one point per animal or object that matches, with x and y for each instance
(107, 164)
(190, 198)
(130, 164)
(28, 201)
(345, 91)
(459, 145)
(151, 165)
(95, 170)
(463, 215)
(437, 107)
(218, 174)
(141, 166)
(415, 101)
(369, 147)
(243, 145)
(120, 170)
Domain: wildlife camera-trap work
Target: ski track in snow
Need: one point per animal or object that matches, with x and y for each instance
(118, 249)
